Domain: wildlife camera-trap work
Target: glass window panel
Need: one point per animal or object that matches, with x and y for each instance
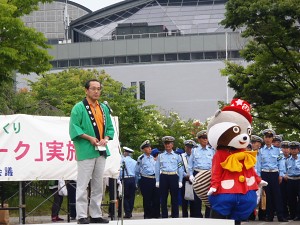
(142, 90)
(197, 56)
(158, 57)
(210, 55)
(74, 62)
(85, 62)
(108, 60)
(133, 59)
(222, 55)
(96, 61)
(145, 58)
(120, 59)
(184, 56)
(63, 63)
(171, 57)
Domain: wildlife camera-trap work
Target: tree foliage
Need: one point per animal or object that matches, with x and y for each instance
(137, 121)
(22, 49)
(270, 81)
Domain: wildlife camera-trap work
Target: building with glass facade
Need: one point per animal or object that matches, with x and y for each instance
(171, 50)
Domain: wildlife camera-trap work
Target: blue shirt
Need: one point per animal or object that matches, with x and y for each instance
(168, 162)
(293, 167)
(145, 165)
(269, 159)
(185, 167)
(201, 158)
(130, 164)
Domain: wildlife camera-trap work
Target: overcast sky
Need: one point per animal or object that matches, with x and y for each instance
(96, 4)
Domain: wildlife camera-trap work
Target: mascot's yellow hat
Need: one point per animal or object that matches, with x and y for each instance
(240, 106)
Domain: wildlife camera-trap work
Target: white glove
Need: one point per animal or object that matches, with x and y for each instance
(119, 182)
(263, 183)
(120, 191)
(192, 178)
(157, 184)
(211, 190)
(180, 184)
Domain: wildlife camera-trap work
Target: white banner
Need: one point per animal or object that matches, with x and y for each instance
(39, 148)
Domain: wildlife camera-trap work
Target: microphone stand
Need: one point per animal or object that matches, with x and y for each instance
(122, 196)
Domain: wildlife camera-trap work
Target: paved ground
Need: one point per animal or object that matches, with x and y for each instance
(136, 216)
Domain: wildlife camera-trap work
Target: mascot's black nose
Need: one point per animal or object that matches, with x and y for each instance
(244, 138)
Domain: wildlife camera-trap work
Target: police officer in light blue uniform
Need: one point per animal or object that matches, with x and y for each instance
(188, 146)
(145, 170)
(127, 175)
(201, 159)
(285, 153)
(168, 175)
(293, 180)
(270, 167)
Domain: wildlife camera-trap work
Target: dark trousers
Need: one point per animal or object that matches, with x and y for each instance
(71, 187)
(274, 201)
(284, 196)
(293, 187)
(151, 198)
(129, 195)
(169, 183)
(58, 199)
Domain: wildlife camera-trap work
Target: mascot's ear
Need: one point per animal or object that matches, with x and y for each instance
(218, 112)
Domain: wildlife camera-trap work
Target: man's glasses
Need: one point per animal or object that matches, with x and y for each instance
(94, 89)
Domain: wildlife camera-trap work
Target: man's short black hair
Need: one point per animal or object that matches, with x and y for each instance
(87, 84)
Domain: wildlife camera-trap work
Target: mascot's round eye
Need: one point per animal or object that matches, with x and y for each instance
(236, 130)
(249, 131)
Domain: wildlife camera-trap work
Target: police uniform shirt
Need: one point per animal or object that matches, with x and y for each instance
(168, 162)
(145, 165)
(201, 158)
(130, 164)
(270, 159)
(293, 167)
(185, 170)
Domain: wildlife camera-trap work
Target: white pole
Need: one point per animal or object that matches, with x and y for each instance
(226, 57)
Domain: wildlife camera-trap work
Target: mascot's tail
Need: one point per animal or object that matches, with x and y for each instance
(201, 185)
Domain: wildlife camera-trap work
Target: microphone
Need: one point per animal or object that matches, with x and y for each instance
(110, 110)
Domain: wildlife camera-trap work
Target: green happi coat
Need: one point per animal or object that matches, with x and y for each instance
(80, 123)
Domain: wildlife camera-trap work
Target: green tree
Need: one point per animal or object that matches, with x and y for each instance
(137, 121)
(270, 80)
(22, 49)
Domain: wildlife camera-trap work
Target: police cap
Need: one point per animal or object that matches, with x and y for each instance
(269, 132)
(145, 144)
(154, 152)
(277, 138)
(255, 138)
(166, 139)
(190, 143)
(285, 144)
(202, 133)
(126, 149)
(294, 144)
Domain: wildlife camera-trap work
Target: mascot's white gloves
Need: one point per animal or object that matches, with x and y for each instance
(192, 178)
(263, 183)
(211, 190)
(180, 184)
(157, 184)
